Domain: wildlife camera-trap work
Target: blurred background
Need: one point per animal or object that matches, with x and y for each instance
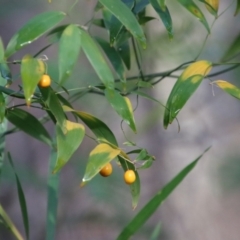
(206, 205)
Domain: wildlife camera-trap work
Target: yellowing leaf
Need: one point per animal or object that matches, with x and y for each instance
(98, 158)
(228, 88)
(32, 70)
(213, 8)
(202, 67)
(68, 142)
(185, 86)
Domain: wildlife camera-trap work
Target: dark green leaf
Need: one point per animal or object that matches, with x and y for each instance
(98, 158)
(52, 198)
(124, 52)
(32, 30)
(126, 17)
(29, 124)
(53, 105)
(69, 48)
(114, 58)
(144, 19)
(2, 107)
(97, 60)
(194, 9)
(21, 199)
(140, 5)
(68, 142)
(155, 202)
(32, 70)
(123, 107)
(165, 16)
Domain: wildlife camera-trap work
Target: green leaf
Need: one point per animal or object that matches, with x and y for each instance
(162, 4)
(140, 5)
(195, 10)
(185, 86)
(4, 69)
(114, 58)
(2, 107)
(233, 50)
(113, 24)
(126, 17)
(32, 30)
(21, 199)
(105, 135)
(10, 225)
(123, 107)
(165, 17)
(97, 60)
(52, 103)
(144, 19)
(68, 142)
(28, 124)
(52, 198)
(228, 88)
(32, 70)
(98, 158)
(156, 232)
(237, 8)
(69, 48)
(124, 52)
(151, 207)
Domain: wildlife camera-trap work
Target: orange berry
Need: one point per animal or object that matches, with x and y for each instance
(45, 81)
(129, 177)
(106, 170)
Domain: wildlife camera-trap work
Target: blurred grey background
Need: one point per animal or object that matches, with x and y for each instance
(207, 203)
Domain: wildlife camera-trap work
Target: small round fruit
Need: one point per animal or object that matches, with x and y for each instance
(129, 177)
(106, 170)
(45, 81)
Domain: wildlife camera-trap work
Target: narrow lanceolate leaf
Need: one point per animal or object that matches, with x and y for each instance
(28, 124)
(104, 134)
(237, 8)
(97, 60)
(32, 30)
(165, 17)
(53, 105)
(124, 52)
(21, 199)
(98, 158)
(123, 107)
(185, 86)
(162, 4)
(69, 47)
(2, 107)
(52, 198)
(126, 17)
(212, 6)
(68, 142)
(194, 9)
(114, 58)
(228, 88)
(9, 224)
(147, 211)
(32, 70)
(233, 50)
(4, 69)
